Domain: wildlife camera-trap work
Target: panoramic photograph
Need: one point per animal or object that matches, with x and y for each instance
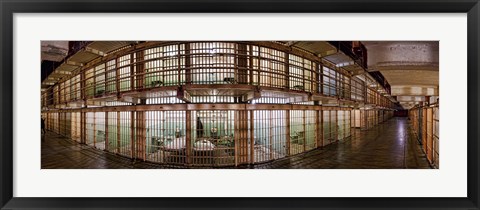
(240, 104)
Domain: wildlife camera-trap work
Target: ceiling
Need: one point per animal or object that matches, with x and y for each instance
(410, 67)
(58, 51)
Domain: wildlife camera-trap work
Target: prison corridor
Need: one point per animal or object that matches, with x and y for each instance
(389, 145)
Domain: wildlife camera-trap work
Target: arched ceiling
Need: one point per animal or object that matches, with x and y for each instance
(411, 68)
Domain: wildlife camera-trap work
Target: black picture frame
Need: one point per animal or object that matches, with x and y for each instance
(10, 7)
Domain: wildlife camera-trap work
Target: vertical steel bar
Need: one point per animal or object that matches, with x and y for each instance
(188, 137)
(252, 137)
(288, 131)
(106, 131)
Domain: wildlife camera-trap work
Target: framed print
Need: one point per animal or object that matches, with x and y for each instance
(239, 105)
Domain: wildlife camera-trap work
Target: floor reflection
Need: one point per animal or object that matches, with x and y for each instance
(390, 145)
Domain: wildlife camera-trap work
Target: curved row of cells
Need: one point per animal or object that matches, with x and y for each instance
(217, 137)
(211, 63)
(426, 128)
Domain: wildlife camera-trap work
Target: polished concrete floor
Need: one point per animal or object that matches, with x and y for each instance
(390, 145)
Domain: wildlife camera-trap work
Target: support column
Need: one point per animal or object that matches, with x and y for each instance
(336, 125)
(365, 118)
(59, 123)
(317, 128)
(250, 47)
(82, 128)
(317, 78)
(117, 78)
(287, 71)
(106, 131)
(179, 65)
(424, 128)
(82, 88)
(322, 143)
(140, 69)
(241, 140)
(94, 130)
(287, 143)
(132, 134)
(132, 72)
(188, 73)
(118, 132)
(188, 136)
(304, 130)
(242, 70)
(140, 143)
(252, 138)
